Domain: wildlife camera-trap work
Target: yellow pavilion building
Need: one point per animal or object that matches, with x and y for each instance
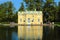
(29, 24)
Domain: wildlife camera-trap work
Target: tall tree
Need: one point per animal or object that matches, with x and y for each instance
(3, 10)
(22, 7)
(33, 4)
(49, 10)
(10, 11)
(6, 12)
(58, 13)
(15, 17)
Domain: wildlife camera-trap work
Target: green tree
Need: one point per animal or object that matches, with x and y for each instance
(22, 7)
(58, 12)
(15, 17)
(3, 10)
(6, 12)
(49, 9)
(10, 11)
(34, 4)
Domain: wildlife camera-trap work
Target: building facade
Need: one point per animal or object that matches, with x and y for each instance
(30, 21)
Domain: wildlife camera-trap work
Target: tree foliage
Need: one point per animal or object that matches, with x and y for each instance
(33, 4)
(22, 7)
(49, 9)
(6, 12)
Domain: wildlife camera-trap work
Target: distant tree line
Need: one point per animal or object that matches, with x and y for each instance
(51, 11)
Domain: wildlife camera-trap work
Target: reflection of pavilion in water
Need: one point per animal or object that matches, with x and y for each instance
(29, 31)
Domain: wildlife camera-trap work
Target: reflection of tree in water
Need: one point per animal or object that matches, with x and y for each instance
(57, 33)
(48, 33)
(51, 34)
(6, 33)
(2, 34)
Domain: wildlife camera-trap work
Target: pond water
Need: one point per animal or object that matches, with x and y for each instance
(10, 33)
(51, 34)
(7, 33)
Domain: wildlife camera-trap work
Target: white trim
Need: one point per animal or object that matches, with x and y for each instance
(30, 12)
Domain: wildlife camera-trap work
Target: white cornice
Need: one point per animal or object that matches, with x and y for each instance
(30, 12)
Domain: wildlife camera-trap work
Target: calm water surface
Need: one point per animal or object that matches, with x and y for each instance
(8, 33)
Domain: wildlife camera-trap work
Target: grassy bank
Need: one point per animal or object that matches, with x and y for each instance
(5, 22)
(57, 23)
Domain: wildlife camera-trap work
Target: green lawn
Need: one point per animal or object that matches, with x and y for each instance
(57, 23)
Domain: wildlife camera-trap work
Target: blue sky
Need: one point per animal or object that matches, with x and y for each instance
(17, 3)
